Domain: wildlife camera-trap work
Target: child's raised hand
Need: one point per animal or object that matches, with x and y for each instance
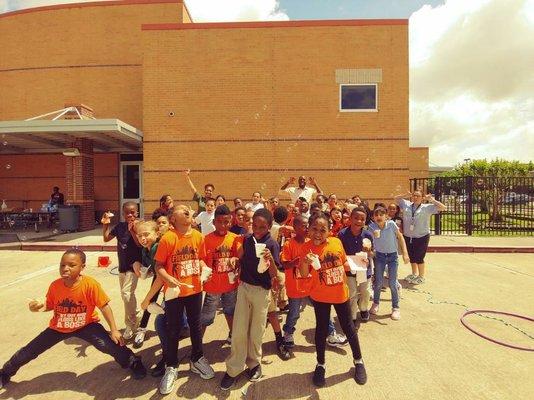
(117, 338)
(35, 305)
(106, 218)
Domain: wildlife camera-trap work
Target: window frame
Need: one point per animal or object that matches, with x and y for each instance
(359, 109)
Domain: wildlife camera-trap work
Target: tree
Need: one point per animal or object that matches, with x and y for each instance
(491, 181)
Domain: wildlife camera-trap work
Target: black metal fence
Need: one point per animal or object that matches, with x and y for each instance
(481, 205)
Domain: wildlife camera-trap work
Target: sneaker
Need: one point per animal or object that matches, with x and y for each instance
(336, 340)
(203, 368)
(360, 375)
(166, 384)
(254, 374)
(410, 278)
(364, 316)
(318, 376)
(128, 333)
(229, 339)
(138, 369)
(395, 314)
(418, 281)
(282, 350)
(159, 369)
(374, 309)
(289, 342)
(4, 379)
(227, 382)
(139, 338)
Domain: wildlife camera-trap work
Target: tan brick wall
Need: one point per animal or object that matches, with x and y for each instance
(255, 106)
(418, 162)
(27, 180)
(76, 54)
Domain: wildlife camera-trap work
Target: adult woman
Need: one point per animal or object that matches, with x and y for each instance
(416, 229)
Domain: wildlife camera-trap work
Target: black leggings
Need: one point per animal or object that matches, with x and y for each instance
(146, 314)
(173, 314)
(417, 248)
(93, 333)
(322, 316)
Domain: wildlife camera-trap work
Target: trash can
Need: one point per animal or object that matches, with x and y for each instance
(69, 217)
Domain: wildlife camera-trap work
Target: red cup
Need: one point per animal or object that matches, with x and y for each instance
(103, 261)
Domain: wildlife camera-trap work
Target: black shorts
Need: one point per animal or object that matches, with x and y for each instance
(417, 248)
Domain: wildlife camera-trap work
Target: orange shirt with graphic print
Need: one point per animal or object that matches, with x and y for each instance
(74, 307)
(180, 254)
(329, 284)
(296, 285)
(216, 253)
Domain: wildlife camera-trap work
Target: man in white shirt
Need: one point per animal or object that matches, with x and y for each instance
(308, 192)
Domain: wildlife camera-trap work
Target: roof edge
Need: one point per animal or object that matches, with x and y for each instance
(273, 24)
(88, 4)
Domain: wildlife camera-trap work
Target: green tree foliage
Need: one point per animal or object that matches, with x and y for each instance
(493, 168)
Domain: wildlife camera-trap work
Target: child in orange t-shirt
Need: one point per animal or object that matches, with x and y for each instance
(179, 266)
(329, 288)
(73, 298)
(218, 252)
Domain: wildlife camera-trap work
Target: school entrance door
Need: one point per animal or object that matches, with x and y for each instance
(131, 184)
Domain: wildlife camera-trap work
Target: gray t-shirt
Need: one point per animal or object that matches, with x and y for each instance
(416, 217)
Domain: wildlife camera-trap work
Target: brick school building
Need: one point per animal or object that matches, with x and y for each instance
(142, 92)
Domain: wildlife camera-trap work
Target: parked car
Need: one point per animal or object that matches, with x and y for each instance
(516, 198)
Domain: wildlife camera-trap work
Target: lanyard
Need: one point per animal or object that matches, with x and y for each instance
(414, 211)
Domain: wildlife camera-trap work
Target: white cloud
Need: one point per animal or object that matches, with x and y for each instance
(236, 10)
(471, 80)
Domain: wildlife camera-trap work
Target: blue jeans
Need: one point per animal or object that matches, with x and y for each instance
(294, 314)
(160, 324)
(391, 260)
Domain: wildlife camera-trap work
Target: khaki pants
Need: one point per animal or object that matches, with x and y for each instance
(359, 295)
(248, 328)
(128, 284)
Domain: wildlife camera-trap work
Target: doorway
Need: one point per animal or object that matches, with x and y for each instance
(131, 182)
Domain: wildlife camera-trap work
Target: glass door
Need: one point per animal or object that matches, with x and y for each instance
(131, 181)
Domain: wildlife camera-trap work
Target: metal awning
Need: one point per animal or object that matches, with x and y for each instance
(52, 136)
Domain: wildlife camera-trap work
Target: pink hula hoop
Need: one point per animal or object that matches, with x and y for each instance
(512, 346)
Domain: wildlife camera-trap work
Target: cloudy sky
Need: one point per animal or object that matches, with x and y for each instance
(471, 65)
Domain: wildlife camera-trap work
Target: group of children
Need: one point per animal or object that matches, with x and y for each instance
(253, 261)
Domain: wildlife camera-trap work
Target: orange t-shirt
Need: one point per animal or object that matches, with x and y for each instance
(329, 284)
(216, 253)
(181, 256)
(296, 286)
(74, 307)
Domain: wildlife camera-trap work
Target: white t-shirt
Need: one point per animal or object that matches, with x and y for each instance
(295, 192)
(205, 220)
(253, 207)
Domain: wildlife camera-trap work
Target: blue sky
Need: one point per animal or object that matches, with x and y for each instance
(353, 9)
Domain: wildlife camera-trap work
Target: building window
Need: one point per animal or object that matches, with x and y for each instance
(358, 97)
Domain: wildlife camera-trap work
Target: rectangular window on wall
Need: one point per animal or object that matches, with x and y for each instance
(360, 97)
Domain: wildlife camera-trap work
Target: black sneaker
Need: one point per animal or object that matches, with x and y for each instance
(364, 315)
(254, 374)
(4, 379)
(283, 352)
(318, 376)
(227, 382)
(159, 369)
(138, 369)
(360, 376)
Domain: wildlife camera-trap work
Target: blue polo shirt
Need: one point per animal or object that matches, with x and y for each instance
(353, 244)
(387, 242)
(249, 262)
(418, 217)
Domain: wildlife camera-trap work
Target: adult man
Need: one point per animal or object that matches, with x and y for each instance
(56, 198)
(302, 190)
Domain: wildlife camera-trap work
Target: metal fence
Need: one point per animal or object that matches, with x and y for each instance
(481, 205)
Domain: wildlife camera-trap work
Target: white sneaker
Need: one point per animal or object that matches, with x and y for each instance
(374, 309)
(410, 278)
(139, 337)
(166, 384)
(395, 314)
(203, 368)
(336, 340)
(128, 333)
(418, 281)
